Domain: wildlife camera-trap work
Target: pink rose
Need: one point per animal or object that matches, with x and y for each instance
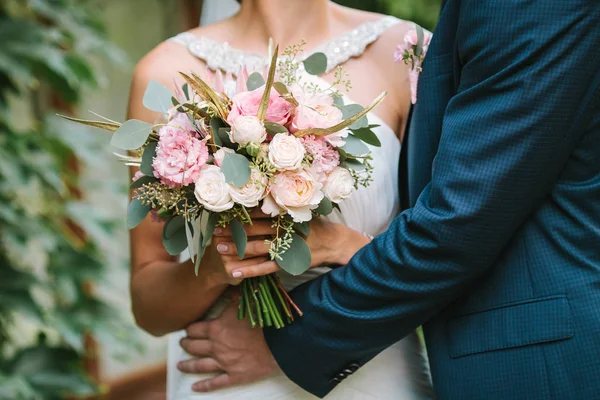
(179, 157)
(325, 157)
(246, 103)
(296, 192)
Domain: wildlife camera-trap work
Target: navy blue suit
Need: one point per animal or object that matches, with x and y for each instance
(498, 254)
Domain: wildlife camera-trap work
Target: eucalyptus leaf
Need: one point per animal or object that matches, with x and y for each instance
(131, 135)
(223, 134)
(157, 97)
(148, 158)
(211, 223)
(136, 212)
(325, 207)
(302, 228)
(352, 109)
(215, 124)
(174, 238)
(316, 64)
(236, 169)
(189, 237)
(274, 128)
(354, 146)
(175, 102)
(420, 39)
(239, 237)
(281, 88)
(296, 260)
(367, 136)
(142, 181)
(355, 165)
(255, 80)
(338, 101)
(186, 91)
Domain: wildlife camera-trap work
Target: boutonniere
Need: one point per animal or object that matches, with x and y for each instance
(412, 52)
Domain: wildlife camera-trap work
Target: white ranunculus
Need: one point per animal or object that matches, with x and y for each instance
(253, 191)
(339, 185)
(286, 152)
(211, 190)
(295, 192)
(247, 129)
(219, 155)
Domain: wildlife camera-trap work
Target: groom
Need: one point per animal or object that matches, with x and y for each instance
(497, 253)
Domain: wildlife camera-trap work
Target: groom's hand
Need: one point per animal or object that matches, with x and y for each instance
(229, 347)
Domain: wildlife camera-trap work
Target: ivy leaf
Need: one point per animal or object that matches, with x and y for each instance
(236, 169)
(352, 109)
(354, 146)
(303, 228)
(325, 207)
(157, 97)
(142, 181)
(367, 136)
(147, 158)
(136, 212)
(255, 80)
(239, 237)
(173, 237)
(316, 64)
(131, 135)
(296, 260)
(273, 128)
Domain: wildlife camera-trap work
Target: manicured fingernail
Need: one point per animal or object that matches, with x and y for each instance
(237, 274)
(218, 231)
(180, 365)
(222, 248)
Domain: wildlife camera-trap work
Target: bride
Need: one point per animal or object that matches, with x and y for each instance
(167, 296)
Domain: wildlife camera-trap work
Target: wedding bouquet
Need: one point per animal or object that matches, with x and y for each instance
(280, 144)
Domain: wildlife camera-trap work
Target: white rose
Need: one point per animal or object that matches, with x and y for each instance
(286, 152)
(219, 155)
(253, 191)
(296, 192)
(211, 190)
(339, 185)
(247, 129)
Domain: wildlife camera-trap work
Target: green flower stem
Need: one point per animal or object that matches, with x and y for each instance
(272, 306)
(254, 289)
(277, 290)
(265, 309)
(247, 302)
(242, 306)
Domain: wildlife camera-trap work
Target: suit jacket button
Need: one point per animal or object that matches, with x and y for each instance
(341, 376)
(334, 381)
(354, 367)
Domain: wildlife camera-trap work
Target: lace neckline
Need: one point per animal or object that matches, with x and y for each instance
(222, 56)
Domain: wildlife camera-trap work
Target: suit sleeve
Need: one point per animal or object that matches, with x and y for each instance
(529, 82)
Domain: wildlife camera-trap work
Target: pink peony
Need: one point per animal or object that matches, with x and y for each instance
(179, 157)
(177, 122)
(246, 103)
(137, 175)
(325, 157)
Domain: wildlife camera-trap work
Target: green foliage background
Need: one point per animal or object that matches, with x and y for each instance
(422, 12)
(45, 310)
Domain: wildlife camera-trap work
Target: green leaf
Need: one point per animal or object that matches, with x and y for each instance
(316, 64)
(239, 237)
(175, 102)
(136, 212)
(255, 80)
(303, 228)
(420, 40)
(142, 181)
(367, 136)
(281, 88)
(148, 158)
(211, 224)
(157, 97)
(223, 134)
(236, 169)
(338, 101)
(186, 91)
(325, 207)
(354, 146)
(274, 128)
(215, 124)
(174, 238)
(131, 135)
(296, 260)
(352, 109)
(355, 165)
(189, 236)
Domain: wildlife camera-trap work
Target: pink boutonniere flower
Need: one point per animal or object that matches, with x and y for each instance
(412, 52)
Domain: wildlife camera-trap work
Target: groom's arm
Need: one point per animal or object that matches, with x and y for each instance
(530, 80)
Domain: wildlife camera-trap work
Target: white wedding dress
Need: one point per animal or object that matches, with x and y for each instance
(398, 373)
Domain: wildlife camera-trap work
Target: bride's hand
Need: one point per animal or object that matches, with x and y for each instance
(329, 243)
